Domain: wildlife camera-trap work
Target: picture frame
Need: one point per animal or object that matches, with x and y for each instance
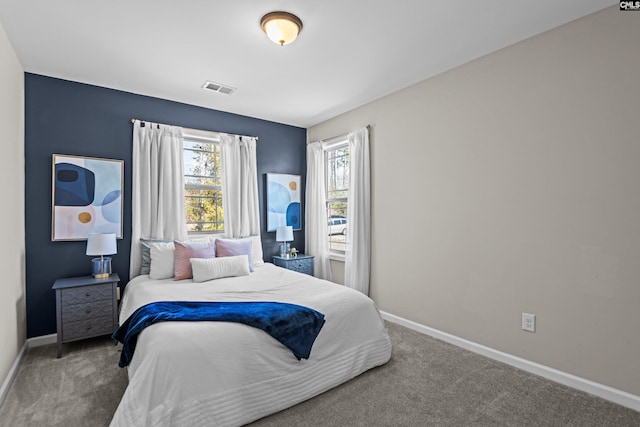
(86, 197)
(284, 205)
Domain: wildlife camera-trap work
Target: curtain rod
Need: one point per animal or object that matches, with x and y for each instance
(339, 137)
(133, 120)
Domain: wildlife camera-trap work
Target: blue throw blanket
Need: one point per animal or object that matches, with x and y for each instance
(293, 325)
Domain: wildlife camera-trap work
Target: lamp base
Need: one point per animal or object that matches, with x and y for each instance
(284, 250)
(101, 268)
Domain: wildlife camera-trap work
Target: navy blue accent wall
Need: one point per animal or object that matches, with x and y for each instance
(64, 117)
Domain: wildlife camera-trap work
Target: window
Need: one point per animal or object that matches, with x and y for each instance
(203, 184)
(337, 185)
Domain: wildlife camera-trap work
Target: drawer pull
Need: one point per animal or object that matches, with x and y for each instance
(88, 310)
(88, 327)
(88, 294)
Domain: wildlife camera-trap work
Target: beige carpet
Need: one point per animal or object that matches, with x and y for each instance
(80, 389)
(426, 383)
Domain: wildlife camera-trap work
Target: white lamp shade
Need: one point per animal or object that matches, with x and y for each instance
(101, 244)
(284, 233)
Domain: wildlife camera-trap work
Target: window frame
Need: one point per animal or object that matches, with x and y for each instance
(202, 137)
(331, 146)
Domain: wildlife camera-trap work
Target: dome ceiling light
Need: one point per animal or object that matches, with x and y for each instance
(281, 27)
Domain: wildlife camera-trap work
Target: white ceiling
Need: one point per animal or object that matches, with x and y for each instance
(350, 52)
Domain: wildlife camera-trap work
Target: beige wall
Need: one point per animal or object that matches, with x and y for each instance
(512, 184)
(12, 285)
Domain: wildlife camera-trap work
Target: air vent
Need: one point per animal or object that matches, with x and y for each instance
(217, 87)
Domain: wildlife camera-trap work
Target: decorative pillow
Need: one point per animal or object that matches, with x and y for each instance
(162, 260)
(146, 254)
(226, 247)
(187, 250)
(256, 250)
(217, 268)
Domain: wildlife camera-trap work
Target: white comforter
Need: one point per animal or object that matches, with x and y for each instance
(222, 373)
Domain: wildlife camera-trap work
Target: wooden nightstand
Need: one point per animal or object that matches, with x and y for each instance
(302, 263)
(85, 307)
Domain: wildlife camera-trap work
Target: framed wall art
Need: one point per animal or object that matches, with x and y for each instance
(86, 197)
(283, 201)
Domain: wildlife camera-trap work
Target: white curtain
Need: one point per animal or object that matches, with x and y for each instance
(239, 186)
(158, 187)
(358, 252)
(316, 241)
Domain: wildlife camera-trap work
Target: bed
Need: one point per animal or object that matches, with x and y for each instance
(227, 374)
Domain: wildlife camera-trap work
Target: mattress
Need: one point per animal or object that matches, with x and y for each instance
(228, 374)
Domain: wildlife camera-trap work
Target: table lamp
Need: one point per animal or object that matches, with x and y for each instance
(284, 234)
(101, 244)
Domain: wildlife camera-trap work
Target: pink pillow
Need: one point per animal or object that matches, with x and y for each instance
(184, 251)
(234, 248)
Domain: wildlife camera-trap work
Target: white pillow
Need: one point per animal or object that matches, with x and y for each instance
(197, 240)
(256, 249)
(162, 260)
(213, 237)
(216, 268)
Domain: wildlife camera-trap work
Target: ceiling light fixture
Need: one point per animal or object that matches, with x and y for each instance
(281, 27)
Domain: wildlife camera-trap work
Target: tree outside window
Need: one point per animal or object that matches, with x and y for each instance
(203, 187)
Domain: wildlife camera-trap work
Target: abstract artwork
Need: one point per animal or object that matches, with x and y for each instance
(283, 201)
(86, 197)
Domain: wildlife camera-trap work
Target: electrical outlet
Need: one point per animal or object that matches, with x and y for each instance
(528, 322)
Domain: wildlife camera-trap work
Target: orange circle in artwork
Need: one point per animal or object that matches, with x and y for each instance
(84, 217)
(293, 185)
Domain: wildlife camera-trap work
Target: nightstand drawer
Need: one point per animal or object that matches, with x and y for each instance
(301, 263)
(84, 294)
(75, 312)
(87, 328)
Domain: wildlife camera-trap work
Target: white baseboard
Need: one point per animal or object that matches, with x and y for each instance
(609, 393)
(6, 385)
(30, 343)
(42, 340)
